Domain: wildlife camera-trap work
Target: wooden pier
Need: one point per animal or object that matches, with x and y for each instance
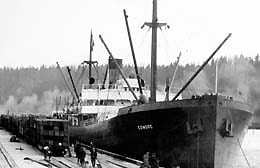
(22, 155)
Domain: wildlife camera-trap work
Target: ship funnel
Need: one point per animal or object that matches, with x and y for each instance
(113, 70)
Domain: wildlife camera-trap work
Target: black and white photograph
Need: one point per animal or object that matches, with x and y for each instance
(129, 84)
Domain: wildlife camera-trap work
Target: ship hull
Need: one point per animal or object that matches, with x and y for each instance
(186, 133)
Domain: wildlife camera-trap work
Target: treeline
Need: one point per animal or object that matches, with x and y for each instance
(238, 76)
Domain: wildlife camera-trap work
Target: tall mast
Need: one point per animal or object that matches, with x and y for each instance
(154, 54)
(154, 25)
(90, 56)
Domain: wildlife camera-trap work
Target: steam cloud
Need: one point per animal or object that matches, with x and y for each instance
(237, 77)
(33, 104)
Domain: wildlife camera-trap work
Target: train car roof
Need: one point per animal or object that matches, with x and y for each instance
(51, 119)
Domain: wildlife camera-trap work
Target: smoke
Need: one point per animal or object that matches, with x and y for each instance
(11, 103)
(28, 104)
(241, 78)
(200, 85)
(237, 78)
(33, 104)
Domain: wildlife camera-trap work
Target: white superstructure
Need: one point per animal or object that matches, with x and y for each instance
(106, 102)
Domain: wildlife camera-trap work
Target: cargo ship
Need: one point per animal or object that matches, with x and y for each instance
(201, 132)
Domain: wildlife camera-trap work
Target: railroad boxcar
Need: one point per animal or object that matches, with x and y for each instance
(39, 131)
(54, 133)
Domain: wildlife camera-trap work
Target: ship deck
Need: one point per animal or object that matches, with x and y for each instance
(13, 154)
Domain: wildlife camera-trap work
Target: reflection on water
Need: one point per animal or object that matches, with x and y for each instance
(251, 147)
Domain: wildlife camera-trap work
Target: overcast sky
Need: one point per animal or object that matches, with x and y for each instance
(37, 32)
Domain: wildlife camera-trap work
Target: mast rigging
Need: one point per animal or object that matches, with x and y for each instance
(91, 44)
(71, 92)
(154, 25)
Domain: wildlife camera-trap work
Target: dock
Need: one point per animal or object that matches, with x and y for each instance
(23, 155)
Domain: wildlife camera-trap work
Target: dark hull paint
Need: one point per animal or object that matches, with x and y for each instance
(161, 128)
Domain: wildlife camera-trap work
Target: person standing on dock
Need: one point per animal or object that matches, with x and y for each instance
(93, 156)
(146, 163)
(82, 156)
(49, 153)
(45, 151)
(154, 161)
(77, 149)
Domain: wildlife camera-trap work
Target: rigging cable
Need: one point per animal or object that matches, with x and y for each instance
(240, 146)
(82, 73)
(140, 46)
(243, 153)
(63, 76)
(166, 46)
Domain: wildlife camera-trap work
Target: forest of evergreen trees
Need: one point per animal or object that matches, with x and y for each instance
(34, 90)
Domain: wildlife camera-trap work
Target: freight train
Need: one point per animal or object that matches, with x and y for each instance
(39, 131)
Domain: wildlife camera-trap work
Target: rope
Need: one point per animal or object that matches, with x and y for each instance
(140, 46)
(80, 77)
(243, 153)
(240, 146)
(166, 48)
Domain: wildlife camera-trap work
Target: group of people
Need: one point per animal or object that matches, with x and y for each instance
(150, 160)
(81, 154)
